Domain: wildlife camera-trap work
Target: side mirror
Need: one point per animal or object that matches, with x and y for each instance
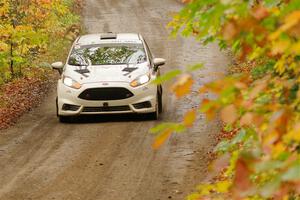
(159, 62)
(58, 66)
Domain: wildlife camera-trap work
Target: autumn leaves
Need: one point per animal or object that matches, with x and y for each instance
(27, 31)
(259, 105)
(32, 32)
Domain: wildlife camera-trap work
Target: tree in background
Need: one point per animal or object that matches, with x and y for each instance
(260, 105)
(25, 31)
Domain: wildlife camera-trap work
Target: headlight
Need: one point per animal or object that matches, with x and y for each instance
(71, 83)
(141, 80)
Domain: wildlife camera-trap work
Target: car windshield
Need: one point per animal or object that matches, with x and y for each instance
(107, 54)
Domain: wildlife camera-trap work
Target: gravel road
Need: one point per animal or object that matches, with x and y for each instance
(110, 157)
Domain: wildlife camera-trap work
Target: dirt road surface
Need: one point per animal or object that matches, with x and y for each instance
(110, 157)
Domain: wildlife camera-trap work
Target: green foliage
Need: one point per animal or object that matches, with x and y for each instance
(167, 76)
(195, 67)
(261, 70)
(162, 127)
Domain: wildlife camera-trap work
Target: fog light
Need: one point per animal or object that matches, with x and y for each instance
(145, 104)
(69, 107)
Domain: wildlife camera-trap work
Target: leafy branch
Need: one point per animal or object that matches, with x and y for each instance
(262, 103)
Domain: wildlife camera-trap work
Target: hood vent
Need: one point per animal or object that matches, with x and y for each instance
(108, 36)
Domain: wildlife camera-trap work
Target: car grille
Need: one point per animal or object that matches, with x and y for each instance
(105, 94)
(106, 109)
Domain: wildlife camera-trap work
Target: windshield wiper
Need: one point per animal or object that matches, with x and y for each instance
(78, 65)
(110, 64)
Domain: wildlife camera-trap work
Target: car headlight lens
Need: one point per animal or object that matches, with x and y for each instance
(71, 83)
(141, 80)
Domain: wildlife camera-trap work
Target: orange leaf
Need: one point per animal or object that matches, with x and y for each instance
(259, 87)
(240, 85)
(229, 114)
(245, 51)
(247, 119)
(230, 30)
(295, 31)
(204, 89)
(161, 138)
(259, 12)
(210, 114)
(290, 21)
(183, 85)
(247, 103)
(209, 108)
(241, 182)
(189, 118)
(220, 163)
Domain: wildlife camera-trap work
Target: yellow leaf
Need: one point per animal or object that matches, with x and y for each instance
(294, 134)
(183, 85)
(295, 48)
(280, 47)
(278, 149)
(161, 138)
(280, 65)
(189, 118)
(269, 139)
(229, 114)
(223, 186)
(3, 46)
(290, 21)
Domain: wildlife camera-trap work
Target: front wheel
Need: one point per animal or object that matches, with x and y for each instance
(64, 119)
(154, 115)
(56, 101)
(160, 101)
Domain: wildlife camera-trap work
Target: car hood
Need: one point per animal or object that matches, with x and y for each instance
(106, 73)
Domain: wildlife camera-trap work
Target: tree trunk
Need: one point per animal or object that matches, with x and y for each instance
(11, 68)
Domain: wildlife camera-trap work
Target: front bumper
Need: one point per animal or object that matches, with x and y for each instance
(69, 104)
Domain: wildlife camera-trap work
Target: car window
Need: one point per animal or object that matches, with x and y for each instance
(107, 54)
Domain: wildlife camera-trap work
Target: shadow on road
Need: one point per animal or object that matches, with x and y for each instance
(84, 119)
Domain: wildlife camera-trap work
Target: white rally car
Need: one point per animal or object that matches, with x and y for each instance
(109, 73)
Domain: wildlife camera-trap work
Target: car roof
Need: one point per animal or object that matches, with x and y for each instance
(104, 38)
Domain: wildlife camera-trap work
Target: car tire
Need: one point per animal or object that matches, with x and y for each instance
(56, 106)
(160, 101)
(64, 119)
(155, 115)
